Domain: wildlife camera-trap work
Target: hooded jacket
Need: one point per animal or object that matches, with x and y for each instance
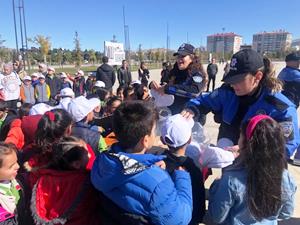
(136, 184)
(291, 80)
(64, 197)
(106, 74)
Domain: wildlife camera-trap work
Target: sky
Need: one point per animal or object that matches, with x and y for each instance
(188, 20)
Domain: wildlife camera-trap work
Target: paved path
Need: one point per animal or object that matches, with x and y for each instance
(212, 130)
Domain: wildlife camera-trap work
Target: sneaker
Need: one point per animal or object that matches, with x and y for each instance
(296, 162)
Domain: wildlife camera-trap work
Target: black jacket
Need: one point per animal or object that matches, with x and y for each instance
(186, 85)
(124, 76)
(106, 74)
(212, 70)
(172, 162)
(54, 85)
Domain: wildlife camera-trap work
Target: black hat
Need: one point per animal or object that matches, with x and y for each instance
(185, 49)
(294, 56)
(242, 63)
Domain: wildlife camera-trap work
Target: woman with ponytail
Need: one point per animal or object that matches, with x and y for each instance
(257, 189)
(250, 89)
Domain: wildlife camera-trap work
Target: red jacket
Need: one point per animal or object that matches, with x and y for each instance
(15, 134)
(55, 194)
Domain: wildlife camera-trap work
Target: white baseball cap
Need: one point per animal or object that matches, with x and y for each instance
(80, 73)
(136, 82)
(41, 76)
(176, 130)
(27, 78)
(40, 109)
(162, 100)
(63, 75)
(100, 84)
(67, 92)
(80, 107)
(51, 69)
(35, 75)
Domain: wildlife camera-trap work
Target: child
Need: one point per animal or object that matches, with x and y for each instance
(64, 82)
(63, 193)
(257, 189)
(34, 79)
(82, 111)
(42, 90)
(52, 126)
(89, 83)
(27, 91)
(65, 96)
(79, 84)
(111, 105)
(130, 178)
(176, 133)
(9, 187)
(120, 92)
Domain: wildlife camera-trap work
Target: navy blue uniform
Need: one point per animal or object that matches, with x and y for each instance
(224, 103)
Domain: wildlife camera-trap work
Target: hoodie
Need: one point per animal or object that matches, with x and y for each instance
(64, 197)
(137, 185)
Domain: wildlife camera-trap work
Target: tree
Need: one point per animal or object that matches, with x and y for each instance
(44, 44)
(77, 51)
(92, 54)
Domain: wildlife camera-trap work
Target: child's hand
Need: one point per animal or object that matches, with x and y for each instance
(161, 164)
(234, 149)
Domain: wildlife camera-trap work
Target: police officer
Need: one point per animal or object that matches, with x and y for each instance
(290, 75)
(186, 80)
(250, 89)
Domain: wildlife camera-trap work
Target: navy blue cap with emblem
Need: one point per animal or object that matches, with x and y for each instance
(294, 56)
(185, 49)
(242, 63)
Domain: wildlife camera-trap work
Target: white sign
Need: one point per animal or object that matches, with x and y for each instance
(115, 52)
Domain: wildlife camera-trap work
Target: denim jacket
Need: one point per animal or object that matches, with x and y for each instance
(227, 199)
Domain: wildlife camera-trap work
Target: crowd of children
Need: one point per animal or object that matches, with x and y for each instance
(81, 155)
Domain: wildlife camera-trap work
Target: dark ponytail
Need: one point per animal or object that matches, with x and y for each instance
(264, 158)
(68, 150)
(51, 127)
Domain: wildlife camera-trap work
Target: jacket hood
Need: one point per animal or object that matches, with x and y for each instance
(29, 126)
(114, 168)
(55, 193)
(289, 74)
(106, 68)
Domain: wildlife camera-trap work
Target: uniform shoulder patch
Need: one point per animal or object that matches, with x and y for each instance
(279, 104)
(197, 79)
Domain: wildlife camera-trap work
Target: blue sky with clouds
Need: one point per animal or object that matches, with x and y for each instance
(98, 20)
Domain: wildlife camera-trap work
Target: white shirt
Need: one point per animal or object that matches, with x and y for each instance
(11, 86)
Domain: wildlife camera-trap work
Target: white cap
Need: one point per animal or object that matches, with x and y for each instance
(136, 82)
(100, 84)
(35, 75)
(27, 78)
(51, 69)
(80, 73)
(80, 107)
(67, 92)
(63, 75)
(176, 130)
(39, 109)
(41, 76)
(43, 65)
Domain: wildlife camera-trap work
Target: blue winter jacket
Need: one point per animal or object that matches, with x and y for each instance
(227, 199)
(224, 102)
(134, 183)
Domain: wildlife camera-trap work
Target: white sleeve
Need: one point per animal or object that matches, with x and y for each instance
(215, 157)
